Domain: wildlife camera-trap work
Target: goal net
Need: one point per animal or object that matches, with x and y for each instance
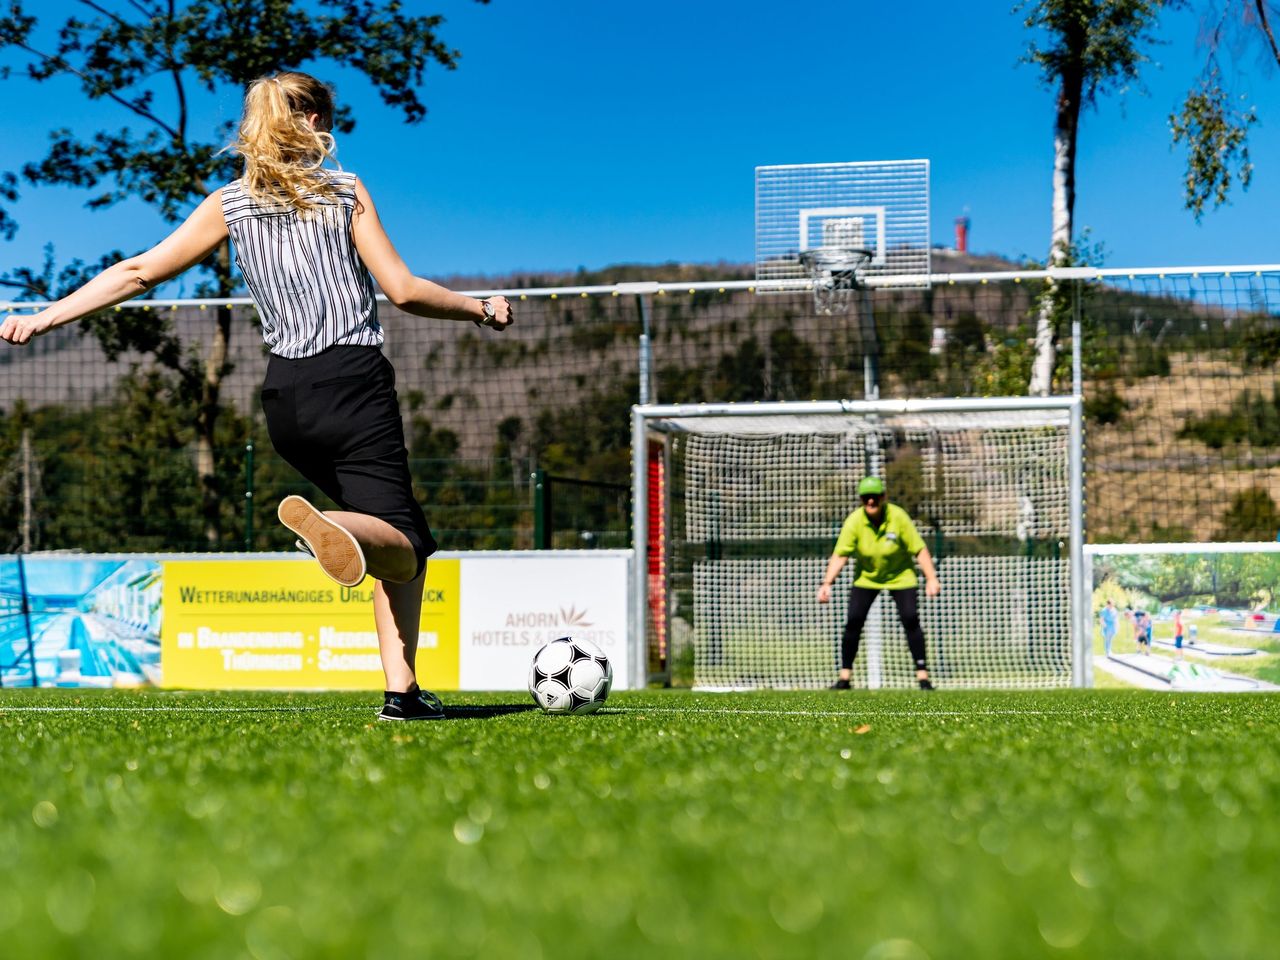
(754, 499)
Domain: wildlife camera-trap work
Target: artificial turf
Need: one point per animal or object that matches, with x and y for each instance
(878, 825)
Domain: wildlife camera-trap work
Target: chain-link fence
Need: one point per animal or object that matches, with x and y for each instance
(126, 442)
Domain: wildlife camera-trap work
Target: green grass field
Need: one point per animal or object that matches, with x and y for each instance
(877, 825)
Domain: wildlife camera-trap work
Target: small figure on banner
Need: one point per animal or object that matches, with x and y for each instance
(1108, 618)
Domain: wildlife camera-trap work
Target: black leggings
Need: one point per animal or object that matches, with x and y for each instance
(860, 601)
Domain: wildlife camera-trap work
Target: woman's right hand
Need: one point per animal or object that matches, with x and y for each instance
(824, 593)
(19, 328)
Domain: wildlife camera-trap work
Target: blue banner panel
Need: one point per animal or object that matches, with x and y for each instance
(88, 622)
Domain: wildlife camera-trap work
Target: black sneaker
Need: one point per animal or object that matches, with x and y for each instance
(926, 684)
(841, 685)
(416, 704)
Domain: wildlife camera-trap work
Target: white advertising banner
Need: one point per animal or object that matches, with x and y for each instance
(514, 604)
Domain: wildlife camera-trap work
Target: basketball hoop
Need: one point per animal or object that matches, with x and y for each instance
(834, 271)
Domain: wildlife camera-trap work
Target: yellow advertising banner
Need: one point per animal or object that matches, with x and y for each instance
(282, 624)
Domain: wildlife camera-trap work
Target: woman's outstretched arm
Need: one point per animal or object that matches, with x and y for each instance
(410, 293)
(197, 237)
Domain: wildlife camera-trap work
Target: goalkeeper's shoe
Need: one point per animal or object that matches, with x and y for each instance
(926, 684)
(415, 704)
(841, 685)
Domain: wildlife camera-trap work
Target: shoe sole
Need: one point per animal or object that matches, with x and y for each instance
(333, 546)
(410, 719)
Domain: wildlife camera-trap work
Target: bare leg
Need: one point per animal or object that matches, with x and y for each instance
(397, 599)
(390, 559)
(387, 552)
(397, 612)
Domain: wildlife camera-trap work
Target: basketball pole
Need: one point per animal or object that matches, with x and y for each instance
(870, 346)
(646, 349)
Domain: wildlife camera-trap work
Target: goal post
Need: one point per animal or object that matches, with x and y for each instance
(753, 498)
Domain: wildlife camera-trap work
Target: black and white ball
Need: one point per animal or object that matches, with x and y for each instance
(570, 676)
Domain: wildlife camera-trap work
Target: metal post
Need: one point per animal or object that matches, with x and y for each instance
(640, 551)
(665, 564)
(640, 495)
(28, 492)
(248, 496)
(646, 348)
(1081, 645)
(874, 640)
(870, 349)
(1082, 673)
(1088, 619)
(1077, 370)
(26, 620)
(541, 510)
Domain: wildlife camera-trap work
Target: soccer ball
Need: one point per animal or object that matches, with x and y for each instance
(570, 676)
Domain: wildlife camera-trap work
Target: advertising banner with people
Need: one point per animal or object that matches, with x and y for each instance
(274, 621)
(1199, 616)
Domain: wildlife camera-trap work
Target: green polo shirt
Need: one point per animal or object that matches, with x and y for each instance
(885, 554)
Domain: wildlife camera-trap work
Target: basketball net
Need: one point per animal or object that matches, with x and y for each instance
(834, 271)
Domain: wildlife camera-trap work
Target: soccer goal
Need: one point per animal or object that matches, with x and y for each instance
(737, 508)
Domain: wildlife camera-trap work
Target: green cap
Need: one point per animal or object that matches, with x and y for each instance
(870, 485)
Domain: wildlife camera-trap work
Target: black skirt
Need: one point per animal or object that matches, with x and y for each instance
(335, 418)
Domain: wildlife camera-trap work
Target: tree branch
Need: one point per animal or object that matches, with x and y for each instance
(23, 286)
(106, 13)
(65, 67)
(179, 90)
(1265, 25)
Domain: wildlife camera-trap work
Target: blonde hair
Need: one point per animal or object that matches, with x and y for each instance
(283, 152)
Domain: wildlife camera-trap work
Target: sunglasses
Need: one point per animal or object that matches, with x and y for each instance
(872, 497)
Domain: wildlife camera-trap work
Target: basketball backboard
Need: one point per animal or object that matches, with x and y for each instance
(881, 206)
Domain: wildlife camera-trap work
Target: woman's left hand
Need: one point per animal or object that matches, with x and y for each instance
(503, 315)
(932, 587)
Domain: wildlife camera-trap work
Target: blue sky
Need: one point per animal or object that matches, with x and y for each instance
(583, 133)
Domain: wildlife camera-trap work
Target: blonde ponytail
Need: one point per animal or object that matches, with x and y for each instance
(283, 152)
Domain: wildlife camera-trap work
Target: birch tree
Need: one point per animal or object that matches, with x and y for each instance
(1084, 49)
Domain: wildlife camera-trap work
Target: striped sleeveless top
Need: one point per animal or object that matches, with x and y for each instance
(311, 287)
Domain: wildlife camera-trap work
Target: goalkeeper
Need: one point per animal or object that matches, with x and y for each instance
(884, 540)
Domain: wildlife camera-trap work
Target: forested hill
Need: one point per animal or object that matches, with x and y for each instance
(1180, 381)
(944, 261)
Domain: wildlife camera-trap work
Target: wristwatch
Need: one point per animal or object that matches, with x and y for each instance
(489, 312)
